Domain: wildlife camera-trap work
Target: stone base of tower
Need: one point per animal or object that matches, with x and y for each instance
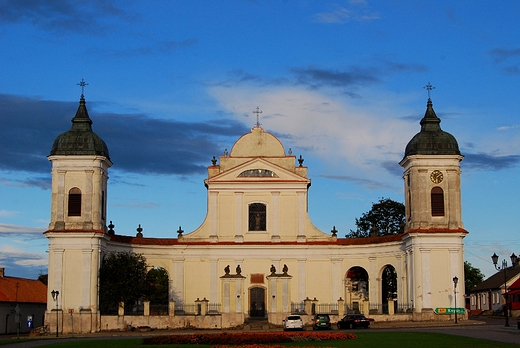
(72, 322)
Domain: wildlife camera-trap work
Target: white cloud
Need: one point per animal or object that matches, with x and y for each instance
(506, 128)
(22, 229)
(7, 213)
(358, 11)
(38, 261)
(354, 138)
(338, 15)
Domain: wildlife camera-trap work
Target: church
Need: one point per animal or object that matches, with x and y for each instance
(257, 254)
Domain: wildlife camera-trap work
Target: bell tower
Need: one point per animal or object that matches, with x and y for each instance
(432, 177)
(77, 230)
(80, 163)
(433, 247)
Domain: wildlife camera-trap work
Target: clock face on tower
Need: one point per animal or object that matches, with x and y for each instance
(436, 177)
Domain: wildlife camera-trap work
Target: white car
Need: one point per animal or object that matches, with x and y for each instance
(293, 322)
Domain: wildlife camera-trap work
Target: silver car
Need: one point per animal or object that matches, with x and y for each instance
(293, 322)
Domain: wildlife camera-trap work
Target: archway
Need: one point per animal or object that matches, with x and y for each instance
(356, 289)
(157, 290)
(388, 287)
(257, 302)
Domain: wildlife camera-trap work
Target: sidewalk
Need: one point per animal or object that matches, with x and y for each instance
(471, 328)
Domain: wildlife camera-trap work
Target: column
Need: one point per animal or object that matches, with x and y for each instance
(239, 296)
(213, 284)
(285, 295)
(85, 278)
(213, 204)
(302, 279)
(335, 286)
(374, 283)
(59, 201)
(274, 215)
(272, 294)
(302, 213)
(87, 197)
(239, 201)
(178, 280)
(426, 279)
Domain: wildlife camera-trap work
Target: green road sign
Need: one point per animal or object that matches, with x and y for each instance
(457, 310)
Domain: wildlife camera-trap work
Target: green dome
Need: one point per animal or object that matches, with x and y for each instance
(432, 140)
(80, 139)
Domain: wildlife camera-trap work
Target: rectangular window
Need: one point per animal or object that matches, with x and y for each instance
(74, 204)
(437, 201)
(257, 217)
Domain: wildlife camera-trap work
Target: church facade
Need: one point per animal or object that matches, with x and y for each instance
(257, 254)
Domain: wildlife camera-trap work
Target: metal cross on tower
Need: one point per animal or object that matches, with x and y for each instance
(257, 112)
(82, 84)
(429, 88)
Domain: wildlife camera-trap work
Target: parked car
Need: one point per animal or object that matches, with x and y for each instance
(353, 321)
(321, 321)
(293, 322)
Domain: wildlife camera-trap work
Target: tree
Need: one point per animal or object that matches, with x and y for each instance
(389, 283)
(157, 283)
(122, 278)
(472, 277)
(386, 217)
(43, 278)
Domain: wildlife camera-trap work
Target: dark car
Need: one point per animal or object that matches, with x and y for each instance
(321, 321)
(353, 321)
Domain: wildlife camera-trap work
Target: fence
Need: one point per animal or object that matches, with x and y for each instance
(327, 308)
(298, 308)
(353, 309)
(159, 309)
(213, 308)
(134, 308)
(185, 309)
(403, 308)
(375, 308)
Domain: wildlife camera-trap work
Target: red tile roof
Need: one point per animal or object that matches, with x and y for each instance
(14, 289)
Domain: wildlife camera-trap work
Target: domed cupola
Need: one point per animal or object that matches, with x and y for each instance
(432, 140)
(80, 139)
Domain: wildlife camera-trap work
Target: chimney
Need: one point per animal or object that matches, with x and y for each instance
(2, 272)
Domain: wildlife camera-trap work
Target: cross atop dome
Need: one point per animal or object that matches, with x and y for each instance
(257, 111)
(429, 88)
(82, 84)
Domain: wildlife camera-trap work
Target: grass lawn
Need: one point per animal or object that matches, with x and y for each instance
(365, 339)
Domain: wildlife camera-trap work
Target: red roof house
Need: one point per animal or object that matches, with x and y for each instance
(29, 296)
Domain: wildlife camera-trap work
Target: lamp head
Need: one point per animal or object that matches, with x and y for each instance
(455, 280)
(494, 258)
(514, 259)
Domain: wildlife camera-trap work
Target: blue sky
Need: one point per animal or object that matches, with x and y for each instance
(173, 83)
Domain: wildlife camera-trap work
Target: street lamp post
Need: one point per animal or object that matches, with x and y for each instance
(55, 294)
(455, 281)
(514, 259)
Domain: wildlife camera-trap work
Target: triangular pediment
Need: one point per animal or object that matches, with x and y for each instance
(258, 170)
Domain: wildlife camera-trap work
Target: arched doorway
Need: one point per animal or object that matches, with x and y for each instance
(257, 302)
(356, 289)
(388, 287)
(157, 281)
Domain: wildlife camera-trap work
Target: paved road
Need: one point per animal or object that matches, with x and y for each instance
(492, 329)
(482, 328)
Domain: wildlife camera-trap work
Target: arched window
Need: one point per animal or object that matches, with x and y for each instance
(437, 200)
(74, 202)
(258, 172)
(257, 217)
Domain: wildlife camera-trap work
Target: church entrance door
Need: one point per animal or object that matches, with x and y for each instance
(257, 302)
